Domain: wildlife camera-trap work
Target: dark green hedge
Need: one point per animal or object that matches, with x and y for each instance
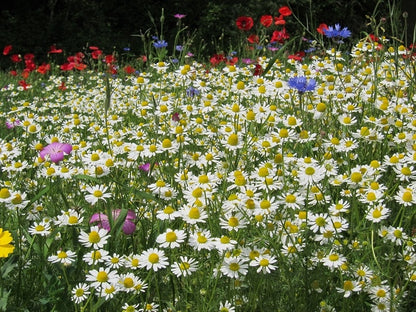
(32, 26)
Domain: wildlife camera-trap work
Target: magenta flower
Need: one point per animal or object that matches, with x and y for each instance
(179, 16)
(145, 167)
(12, 123)
(102, 221)
(55, 151)
(176, 117)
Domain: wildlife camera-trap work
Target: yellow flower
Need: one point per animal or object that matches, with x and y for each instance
(5, 247)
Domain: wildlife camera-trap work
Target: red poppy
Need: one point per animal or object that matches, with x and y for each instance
(266, 20)
(95, 54)
(62, 86)
(7, 49)
(373, 38)
(44, 68)
(285, 11)
(79, 56)
(321, 28)
(23, 84)
(54, 50)
(232, 60)
(25, 73)
(110, 59)
(253, 38)
(67, 66)
(13, 73)
(16, 58)
(80, 66)
(244, 23)
(279, 36)
(129, 70)
(258, 70)
(93, 48)
(216, 59)
(298, 56)
(112, 69)
(30, 65)
(279, 20)
(29, 57)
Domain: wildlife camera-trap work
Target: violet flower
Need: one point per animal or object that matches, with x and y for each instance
(102, 221)
(55, 151)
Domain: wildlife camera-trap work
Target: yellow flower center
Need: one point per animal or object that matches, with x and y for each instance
(62, 255)
(233, 139)
(168, 210)
(166, 143)
(291, 199)
(4, 193)
(128, 282)
(309, 170)
(233, 221)
(95, 157)
(224, 239)
(98, 193)
(39, 228)
(102, 277)
(356, 177)
(79, 292)
(407, 196)
(201, 239)
(234, 266)
(153, 258)
(171, 237)
(94, 237)
(348, 286)
(320, 221)
(72, 220)
(194, 213)
(184, 266)
(333, 257)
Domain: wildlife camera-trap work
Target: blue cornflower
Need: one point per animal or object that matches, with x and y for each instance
(160, 44)
(309, 50)
(191, 92)
(302, 84)
(337, 32)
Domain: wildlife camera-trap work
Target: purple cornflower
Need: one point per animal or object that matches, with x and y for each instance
(337, 32)
(55, 151)
(301, 84)
(102, 220)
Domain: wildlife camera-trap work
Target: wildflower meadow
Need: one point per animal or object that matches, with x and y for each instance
(262, 179)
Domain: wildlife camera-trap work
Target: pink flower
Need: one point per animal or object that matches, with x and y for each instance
(55, 151)
(102, 221)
